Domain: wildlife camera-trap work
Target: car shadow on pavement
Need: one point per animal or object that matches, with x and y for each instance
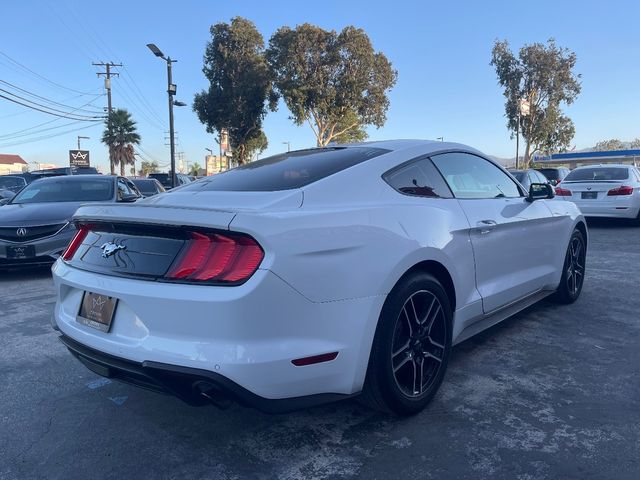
(596, 222)
(25, 273)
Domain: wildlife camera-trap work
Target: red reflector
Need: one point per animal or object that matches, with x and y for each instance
(216, 257)
(563, 192)
(76, 241)
(325, 357)
(621, 190)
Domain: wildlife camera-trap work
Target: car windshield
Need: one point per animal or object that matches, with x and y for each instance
(595, 174)
(65, 189)
(288, 170)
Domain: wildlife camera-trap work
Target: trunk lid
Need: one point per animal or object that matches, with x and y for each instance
(144, 239)
(590, 190)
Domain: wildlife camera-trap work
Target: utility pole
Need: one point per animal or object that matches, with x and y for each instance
(107, 85)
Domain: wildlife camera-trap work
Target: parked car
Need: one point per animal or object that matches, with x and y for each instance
(314, 275)
(528, 177)
(5, 196)
(148, 186)
(54, 172)
(554, 174)
(35, 225)
(604, 191)
(14, 183)
(165, 179)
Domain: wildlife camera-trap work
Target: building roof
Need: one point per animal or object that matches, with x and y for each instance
(609, 154)
(7, 159)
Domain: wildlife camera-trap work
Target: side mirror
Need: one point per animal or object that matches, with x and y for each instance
(539, 191)
(4, 201)
(129, 198)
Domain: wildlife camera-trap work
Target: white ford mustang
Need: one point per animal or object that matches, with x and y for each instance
(313, 275)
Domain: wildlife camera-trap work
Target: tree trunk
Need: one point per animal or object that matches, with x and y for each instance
(527, 161)
(122, 166)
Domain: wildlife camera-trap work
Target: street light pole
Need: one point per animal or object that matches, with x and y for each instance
(81, 137)
(171, 91)
(288, 146)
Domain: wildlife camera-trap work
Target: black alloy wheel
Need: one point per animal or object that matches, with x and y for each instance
(411, 347)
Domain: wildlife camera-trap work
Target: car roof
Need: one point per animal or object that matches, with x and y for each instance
(75, 178)
(403, 144)
(605, 165)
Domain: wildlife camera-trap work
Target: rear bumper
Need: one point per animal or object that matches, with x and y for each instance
(194, 386)
(247, 334)
(622, 209)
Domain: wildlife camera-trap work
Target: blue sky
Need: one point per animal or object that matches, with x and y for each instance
(441, 50)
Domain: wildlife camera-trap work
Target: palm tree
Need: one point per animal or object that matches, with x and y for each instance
(120, 136)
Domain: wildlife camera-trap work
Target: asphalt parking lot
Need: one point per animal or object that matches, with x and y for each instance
(551, 393)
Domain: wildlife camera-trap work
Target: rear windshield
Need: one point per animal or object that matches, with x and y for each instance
(520, 176)
(148, 186)
(12, 183)
(288, 170)
(550, 173)
(65, 189)
(596, 174)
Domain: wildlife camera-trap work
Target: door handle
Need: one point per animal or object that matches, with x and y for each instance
(486, 226)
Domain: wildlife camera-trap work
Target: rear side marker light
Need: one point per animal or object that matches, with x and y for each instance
(325, 357)
(76, 241)
(214, 257)
(621, 190)
(563, 192)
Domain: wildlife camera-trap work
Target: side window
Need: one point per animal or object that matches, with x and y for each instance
(418, 178)
(542, 178)
(471, 176)
(133, 187)
(123, 188)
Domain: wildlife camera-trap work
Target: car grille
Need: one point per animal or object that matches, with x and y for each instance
(27, 234)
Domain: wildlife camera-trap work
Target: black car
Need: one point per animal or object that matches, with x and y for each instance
(529, 176)
(54, 172)
(14, 183)
(554, 174)
(35, 226)
(148, 186)
(165, 179)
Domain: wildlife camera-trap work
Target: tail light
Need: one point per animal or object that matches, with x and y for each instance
(563, 192)
(621, 190)
(214, 257)
(76, 241)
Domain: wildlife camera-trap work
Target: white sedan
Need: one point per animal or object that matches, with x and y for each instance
(314, 275)
(604, 191)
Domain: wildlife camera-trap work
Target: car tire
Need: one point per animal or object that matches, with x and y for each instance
(573, 269)
(413, 334)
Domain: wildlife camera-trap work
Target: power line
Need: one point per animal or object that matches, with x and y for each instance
(45, 137)
(143, 98)
(44, 123)
(57, 110)
(28, 133)
(41, 76)
(49, 112)
(53, 102)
